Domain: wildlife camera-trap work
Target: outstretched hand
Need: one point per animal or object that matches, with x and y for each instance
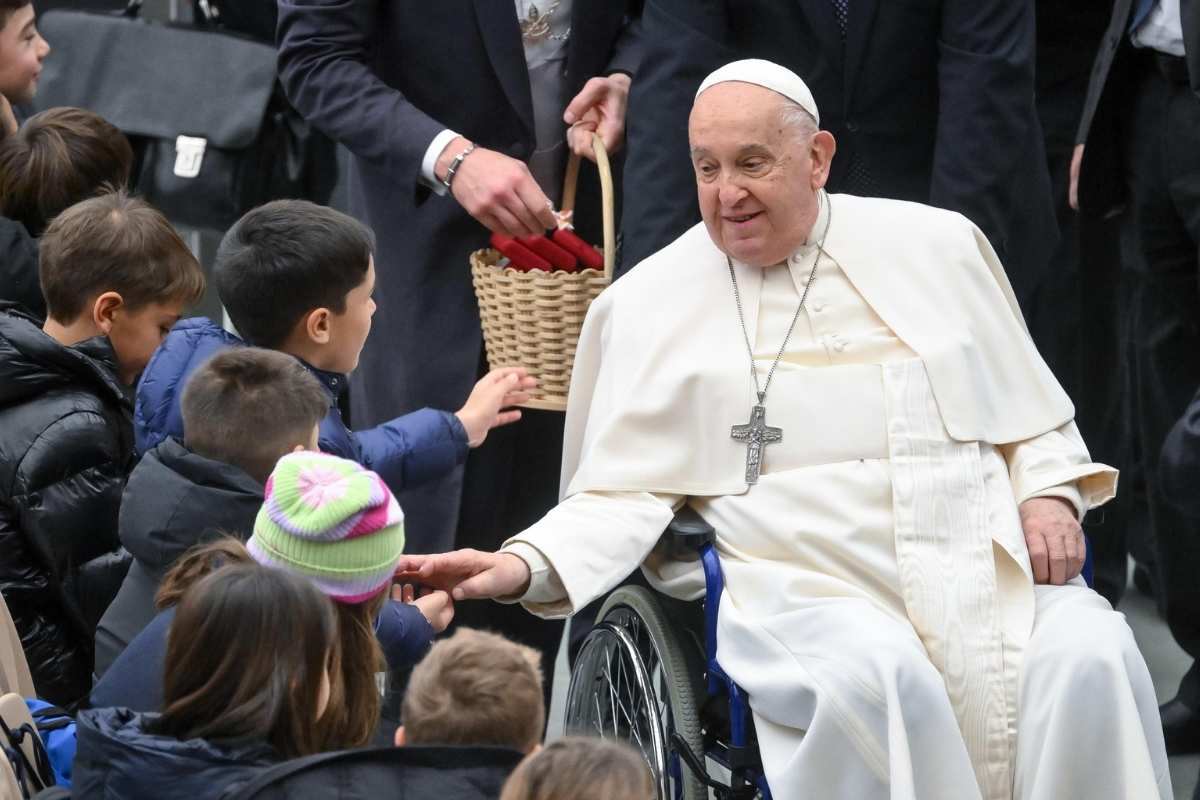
(468, 574)
(498, 390)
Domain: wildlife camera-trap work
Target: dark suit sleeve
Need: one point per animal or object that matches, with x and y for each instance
(683, 40)
(986, 109)
(627, 50)
(1179, 468)
(323, 47)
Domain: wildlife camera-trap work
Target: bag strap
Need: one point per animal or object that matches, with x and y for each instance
(41, 771)
(51, 718)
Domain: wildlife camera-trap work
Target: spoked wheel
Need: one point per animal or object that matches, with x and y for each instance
(638, 679)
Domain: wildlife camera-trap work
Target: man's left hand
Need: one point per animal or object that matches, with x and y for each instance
(1054, 538)
(599, 107)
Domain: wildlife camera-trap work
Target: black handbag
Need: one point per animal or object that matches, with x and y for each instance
(212, 132)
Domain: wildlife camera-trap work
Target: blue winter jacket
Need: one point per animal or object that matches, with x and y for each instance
(407, 451)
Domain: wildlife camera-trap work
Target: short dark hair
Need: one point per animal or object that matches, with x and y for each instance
(249, 407)
(285, 259)
(476, 689)
(7, 7)
(246, 655)
(59, 157)
(114, 243)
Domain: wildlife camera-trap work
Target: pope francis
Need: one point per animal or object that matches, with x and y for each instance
(844, 388)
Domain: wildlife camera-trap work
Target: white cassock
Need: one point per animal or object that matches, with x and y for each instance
(879, 607)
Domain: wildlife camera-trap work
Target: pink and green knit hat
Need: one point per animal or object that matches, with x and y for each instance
(331, 521)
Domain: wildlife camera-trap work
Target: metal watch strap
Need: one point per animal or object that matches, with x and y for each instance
(455, 164)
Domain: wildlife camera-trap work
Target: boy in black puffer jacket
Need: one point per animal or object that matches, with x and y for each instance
(115, 276)
(242, 410)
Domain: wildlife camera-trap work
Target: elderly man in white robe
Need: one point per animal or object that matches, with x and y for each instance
(844, 388)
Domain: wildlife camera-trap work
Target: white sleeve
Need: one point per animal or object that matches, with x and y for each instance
(1057, 464)
(429, 163)
(586, 545)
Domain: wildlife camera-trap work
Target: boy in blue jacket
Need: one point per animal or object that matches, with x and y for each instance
(298, 277)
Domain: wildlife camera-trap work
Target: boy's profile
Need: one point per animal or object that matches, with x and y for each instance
(116, 276)
(300, 278)
(22, 50)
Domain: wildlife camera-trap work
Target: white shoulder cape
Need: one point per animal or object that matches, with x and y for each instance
(661, 369)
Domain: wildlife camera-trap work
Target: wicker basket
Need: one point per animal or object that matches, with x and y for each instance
(532, 319)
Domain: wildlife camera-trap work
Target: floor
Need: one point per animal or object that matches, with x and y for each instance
(1166, 661)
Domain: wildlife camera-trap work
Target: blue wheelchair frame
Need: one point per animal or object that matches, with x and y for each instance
(691, 531)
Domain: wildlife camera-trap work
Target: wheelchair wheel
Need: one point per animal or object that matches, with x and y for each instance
(639, 679)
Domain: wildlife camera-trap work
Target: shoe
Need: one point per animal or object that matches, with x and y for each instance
(1181, 728)
(1142, 579)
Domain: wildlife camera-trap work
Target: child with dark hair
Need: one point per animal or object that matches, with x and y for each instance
(22, 50)
(299, 278)
(581, 768)
(329, 520)
(116, 276)
(246, 683)
(57, 158)
(242, 410)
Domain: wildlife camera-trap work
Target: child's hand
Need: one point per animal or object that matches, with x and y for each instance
(499, 389)
(437, 607)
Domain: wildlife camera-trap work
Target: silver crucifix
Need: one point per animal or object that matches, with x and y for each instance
(756, 434)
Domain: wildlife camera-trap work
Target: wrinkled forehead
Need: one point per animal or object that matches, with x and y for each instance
(735, 109)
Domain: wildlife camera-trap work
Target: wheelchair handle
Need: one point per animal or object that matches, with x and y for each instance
(689, 530)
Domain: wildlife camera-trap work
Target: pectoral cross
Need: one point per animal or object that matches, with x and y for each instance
(757, 435)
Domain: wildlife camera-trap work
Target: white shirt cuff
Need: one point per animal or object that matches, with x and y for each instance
(545, 587)
(429, 163)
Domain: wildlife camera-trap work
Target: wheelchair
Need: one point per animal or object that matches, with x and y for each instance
(647, 674)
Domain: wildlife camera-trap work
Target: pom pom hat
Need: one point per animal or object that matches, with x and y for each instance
(331, 521)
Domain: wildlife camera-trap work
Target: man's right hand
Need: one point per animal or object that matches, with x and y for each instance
(1073, 189)
(468, 574)
(497, 190)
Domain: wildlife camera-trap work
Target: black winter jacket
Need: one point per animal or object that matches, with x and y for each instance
(174, 500)
(19, 268)
(118, 756)
(66, 447)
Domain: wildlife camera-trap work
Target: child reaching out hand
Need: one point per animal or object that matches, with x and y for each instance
(299, 278)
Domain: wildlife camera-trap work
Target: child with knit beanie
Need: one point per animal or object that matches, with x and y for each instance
(338, 525)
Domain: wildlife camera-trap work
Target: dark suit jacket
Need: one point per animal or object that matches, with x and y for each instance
(935, 96)
(384, 78)
(1102, 182)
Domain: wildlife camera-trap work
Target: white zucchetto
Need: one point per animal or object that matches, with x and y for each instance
(768, 75)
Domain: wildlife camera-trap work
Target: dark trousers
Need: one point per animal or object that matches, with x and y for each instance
(1164, 162)
(509, 484)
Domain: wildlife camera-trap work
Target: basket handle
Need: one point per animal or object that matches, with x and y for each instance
(570, 184)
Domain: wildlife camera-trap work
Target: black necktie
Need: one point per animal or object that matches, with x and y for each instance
(841, 10)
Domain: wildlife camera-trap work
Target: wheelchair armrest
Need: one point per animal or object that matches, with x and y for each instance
(688, 531)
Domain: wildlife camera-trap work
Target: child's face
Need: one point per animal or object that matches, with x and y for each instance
(135, 335)
(348, 330)
(22, 50)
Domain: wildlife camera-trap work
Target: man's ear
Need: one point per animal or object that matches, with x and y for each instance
(317, 324)
(400, 738)
(104, 311)
(823, 148)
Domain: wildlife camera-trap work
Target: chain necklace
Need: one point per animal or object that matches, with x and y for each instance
(756, 433)
(535, 24)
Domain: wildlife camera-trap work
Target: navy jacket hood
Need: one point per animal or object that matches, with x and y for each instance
(118, 756)
(176, 498)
